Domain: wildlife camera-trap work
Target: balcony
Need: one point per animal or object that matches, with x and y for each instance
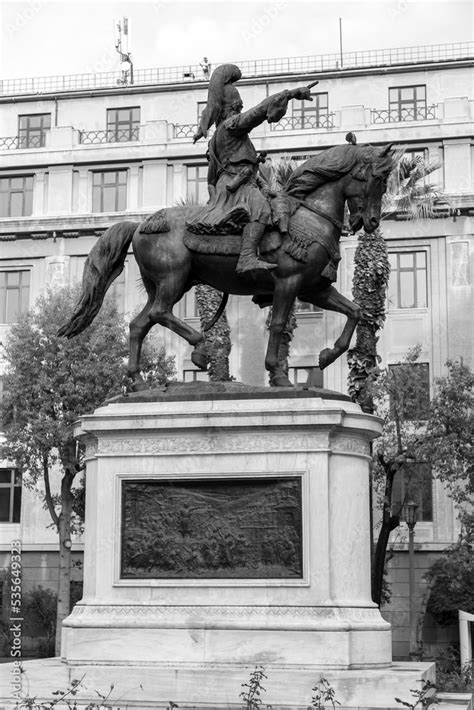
(119, 135)
(304, 123)
(24, 142)
(185, 130)
(399, 115)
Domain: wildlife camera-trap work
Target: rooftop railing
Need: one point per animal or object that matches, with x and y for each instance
(250, 68)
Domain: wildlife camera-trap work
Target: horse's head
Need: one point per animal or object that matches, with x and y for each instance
(366, 187)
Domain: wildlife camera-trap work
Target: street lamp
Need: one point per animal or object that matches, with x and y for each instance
(409, 515)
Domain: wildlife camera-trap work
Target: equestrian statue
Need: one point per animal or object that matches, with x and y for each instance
(246, 240)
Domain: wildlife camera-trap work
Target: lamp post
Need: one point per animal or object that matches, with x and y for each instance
(409, 514)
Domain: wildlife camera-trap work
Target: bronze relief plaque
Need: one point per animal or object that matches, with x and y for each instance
(235, 529)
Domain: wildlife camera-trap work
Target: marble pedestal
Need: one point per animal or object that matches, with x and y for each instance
(195, 640)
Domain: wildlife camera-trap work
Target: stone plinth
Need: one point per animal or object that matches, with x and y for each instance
(228, 527)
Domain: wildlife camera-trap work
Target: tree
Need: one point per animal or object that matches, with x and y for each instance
(416, 434)
(407, 193)
(400, 399)
(217, 339)
(49, 383)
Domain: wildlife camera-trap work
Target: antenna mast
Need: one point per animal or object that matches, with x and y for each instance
(122, 47)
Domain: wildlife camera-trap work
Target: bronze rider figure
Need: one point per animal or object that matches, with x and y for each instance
(235, 201)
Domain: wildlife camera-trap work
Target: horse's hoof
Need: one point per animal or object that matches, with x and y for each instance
(326, 357)
(199, 358)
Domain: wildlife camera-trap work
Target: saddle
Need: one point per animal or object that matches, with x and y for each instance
(302, 233)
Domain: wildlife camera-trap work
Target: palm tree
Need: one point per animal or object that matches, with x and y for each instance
(217, 339)
(407, 193)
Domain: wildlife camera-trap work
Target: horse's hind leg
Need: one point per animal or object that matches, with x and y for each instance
(161, 299)
(332, 300)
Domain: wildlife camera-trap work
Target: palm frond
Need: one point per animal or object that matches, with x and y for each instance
(407, 189)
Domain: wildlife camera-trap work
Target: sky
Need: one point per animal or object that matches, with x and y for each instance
(55, 37)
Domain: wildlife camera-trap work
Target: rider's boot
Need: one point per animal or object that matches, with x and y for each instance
(248, 261)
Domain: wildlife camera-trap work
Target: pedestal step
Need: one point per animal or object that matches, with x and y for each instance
(215, 687)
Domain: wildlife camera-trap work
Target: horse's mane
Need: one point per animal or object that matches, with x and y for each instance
(330, 164)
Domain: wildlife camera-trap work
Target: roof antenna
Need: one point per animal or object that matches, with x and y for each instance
(122, 47)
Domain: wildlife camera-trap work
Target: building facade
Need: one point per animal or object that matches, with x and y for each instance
(78, 154)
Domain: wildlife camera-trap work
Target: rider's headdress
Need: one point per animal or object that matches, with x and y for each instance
(222, 92)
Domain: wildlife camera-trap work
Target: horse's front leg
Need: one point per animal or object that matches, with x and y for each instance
(332, 300)
(283, 299)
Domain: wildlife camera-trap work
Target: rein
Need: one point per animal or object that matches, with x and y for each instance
(324, 215)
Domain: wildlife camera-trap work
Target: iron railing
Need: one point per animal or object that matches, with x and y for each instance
(412, 113)
(121, 135)
(185, 130)
(304, 123)
(23, 142)
(250, 68)
(9, 142)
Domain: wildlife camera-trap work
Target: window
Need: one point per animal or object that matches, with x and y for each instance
(16, 196)
(311, 114)
(32, 129)
(109, 191)
(14, 295)
(407, 103)
(410, 390)
(10, 495)
(201, 105)
(195, 376)
(190, 305)
(123, 124)
(301, 307)
(196, 186)
(416, 154)
(408, 284)
(414, 481)
(311, 376)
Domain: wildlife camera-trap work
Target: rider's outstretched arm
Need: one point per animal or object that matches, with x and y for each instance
(271, 109)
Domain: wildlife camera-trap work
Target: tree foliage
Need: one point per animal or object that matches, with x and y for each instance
(409, 193)
(49, 383)
(416, 431)
(371, 273)
(217, 339)
(454, 582)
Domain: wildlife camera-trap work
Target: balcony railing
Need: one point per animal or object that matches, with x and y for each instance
(304, 123)
(121, 135)
(250, 68)
(185, 130)
(9, 142)
(23, 142)
(413, 113)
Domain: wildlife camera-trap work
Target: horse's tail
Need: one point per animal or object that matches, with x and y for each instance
(104, 263)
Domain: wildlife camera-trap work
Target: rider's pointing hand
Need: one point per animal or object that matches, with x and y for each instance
(303, 93)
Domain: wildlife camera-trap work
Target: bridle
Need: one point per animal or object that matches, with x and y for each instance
(359, 173)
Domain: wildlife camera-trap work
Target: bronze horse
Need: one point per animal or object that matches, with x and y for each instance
(356, 174)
